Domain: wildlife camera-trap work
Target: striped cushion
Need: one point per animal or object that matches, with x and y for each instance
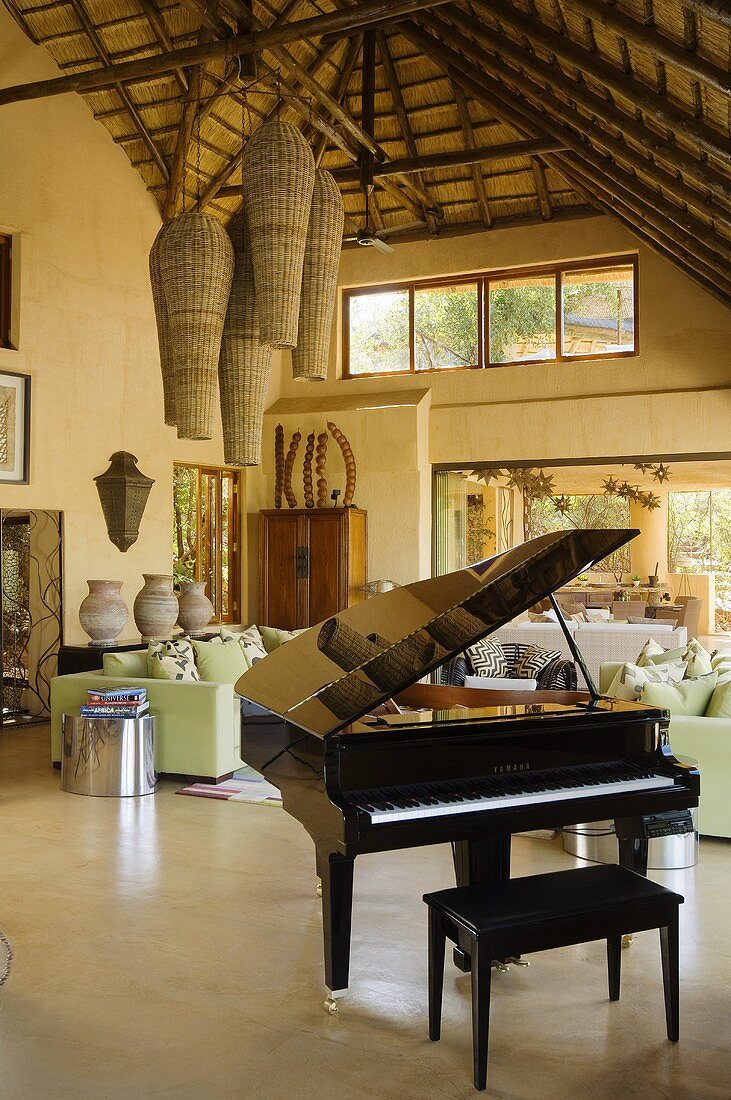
(488, 658)
(533, 660)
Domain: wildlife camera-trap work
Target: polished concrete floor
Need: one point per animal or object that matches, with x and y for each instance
(169, 947)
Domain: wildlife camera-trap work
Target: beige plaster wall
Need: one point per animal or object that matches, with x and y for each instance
(674, 397)
(87, 335)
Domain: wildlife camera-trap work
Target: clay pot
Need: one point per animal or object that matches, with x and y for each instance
(156, 607)
(103, 613)
(195, 610)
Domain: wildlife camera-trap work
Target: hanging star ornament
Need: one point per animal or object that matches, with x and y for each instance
(661, 473)
(652, 502)
(520, 478)
(610, 486)
(488, 474)
(544, 483)
(562, 504)
(643, 467)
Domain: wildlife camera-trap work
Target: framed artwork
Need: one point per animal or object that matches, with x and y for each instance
(14, 428)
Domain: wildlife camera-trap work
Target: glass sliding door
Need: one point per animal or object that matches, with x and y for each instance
(206, 526)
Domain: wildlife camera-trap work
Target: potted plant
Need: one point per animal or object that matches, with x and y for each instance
(636, 580)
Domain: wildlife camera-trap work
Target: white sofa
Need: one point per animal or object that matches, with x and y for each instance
(597, 642)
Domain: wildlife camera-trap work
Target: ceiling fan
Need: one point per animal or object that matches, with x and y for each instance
(367, 235)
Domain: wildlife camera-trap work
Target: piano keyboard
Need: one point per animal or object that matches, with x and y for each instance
(498, 792)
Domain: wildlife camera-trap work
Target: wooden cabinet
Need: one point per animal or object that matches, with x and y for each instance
(311, 564)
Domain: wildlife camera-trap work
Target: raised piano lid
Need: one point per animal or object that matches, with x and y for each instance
(339, 670)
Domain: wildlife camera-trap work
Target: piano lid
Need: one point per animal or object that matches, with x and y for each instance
(339, 670)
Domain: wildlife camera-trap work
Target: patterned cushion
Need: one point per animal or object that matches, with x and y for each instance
(630, 678)
(487, 658)
(532, 661)
(171, 660)
(250, 642)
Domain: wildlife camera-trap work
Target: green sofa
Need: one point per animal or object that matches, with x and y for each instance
(707, 740)
(197, 727)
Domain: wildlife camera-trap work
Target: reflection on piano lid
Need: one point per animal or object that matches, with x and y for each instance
(328, 677)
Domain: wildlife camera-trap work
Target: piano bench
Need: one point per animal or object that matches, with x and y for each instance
(541, 912)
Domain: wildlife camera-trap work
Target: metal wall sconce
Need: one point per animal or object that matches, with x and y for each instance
(123, 492)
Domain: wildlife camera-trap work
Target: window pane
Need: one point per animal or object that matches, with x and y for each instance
(445, 327)
(379, 332)
(522, 319)
(598, 311)
(185, 533)
(225, 530)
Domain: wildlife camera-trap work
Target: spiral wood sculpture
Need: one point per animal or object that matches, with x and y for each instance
(320, 459)
(278, 465)
(349, 460)
(288, 467)
(307, 471)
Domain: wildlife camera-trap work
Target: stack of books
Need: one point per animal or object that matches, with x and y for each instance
(131, 702)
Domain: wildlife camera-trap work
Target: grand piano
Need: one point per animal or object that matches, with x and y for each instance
(370, 758)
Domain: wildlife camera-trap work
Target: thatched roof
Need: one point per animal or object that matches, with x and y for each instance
(619, 108)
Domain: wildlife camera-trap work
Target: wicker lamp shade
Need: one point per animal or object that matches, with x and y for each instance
(319, 280)
(278, 178)
(167, 362)
(243, 367)
(196, 268)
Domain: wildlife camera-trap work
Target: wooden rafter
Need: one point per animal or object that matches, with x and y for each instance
(430, 208)
(340, 89)
(541, 87)
(655, 43)
(480, 154)
(341, 22)
(544, 197)
(468, 132)
(557, 83)
(518, 112)
(119, 88)
(635, 91)
(159, 29)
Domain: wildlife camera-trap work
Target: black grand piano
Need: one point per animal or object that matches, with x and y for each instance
(370, 760)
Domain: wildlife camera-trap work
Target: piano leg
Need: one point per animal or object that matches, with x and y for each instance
(336, 874)
(632, 852)
(478, 863)
(632, 844)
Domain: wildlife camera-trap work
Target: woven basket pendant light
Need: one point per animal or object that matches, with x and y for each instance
(319, 279)
(196, 267)
(243, 368)
(167, 362)
(278, 178)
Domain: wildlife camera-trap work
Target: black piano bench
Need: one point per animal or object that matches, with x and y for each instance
(541, 912)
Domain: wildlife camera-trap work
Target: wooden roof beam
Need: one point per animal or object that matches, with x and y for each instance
(340, 89)
(119, 88)
(159, 29)
(342, 22)
(17, 17)
(519, 113)
(544, 195)
(456, 159)
(556, 81)
(651, 102)
(478, 180)
(717, 10)
(540, 88)
(655, 43)
(431, 210)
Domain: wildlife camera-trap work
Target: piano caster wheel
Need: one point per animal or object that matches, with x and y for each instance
(516, 959)
(628, 940)
(319, 888)
(331, 1006)
(501, 967)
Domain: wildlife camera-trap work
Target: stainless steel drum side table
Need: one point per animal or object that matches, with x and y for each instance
(113, 757)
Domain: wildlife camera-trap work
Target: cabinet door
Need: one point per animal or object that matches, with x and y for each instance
(326, 566)
(281, 600)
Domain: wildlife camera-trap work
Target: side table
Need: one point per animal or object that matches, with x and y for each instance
(87, 658)
(113, 757)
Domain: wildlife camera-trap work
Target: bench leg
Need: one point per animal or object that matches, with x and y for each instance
(437, 940)
(671, 976)
(614, 965)
(481, 964)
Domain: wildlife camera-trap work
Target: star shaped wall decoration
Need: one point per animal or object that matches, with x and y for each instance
(661, 473)
(610, 486)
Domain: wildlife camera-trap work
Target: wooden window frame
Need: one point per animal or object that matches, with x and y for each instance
(483, 280)
(6, 282)
(208, 559)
